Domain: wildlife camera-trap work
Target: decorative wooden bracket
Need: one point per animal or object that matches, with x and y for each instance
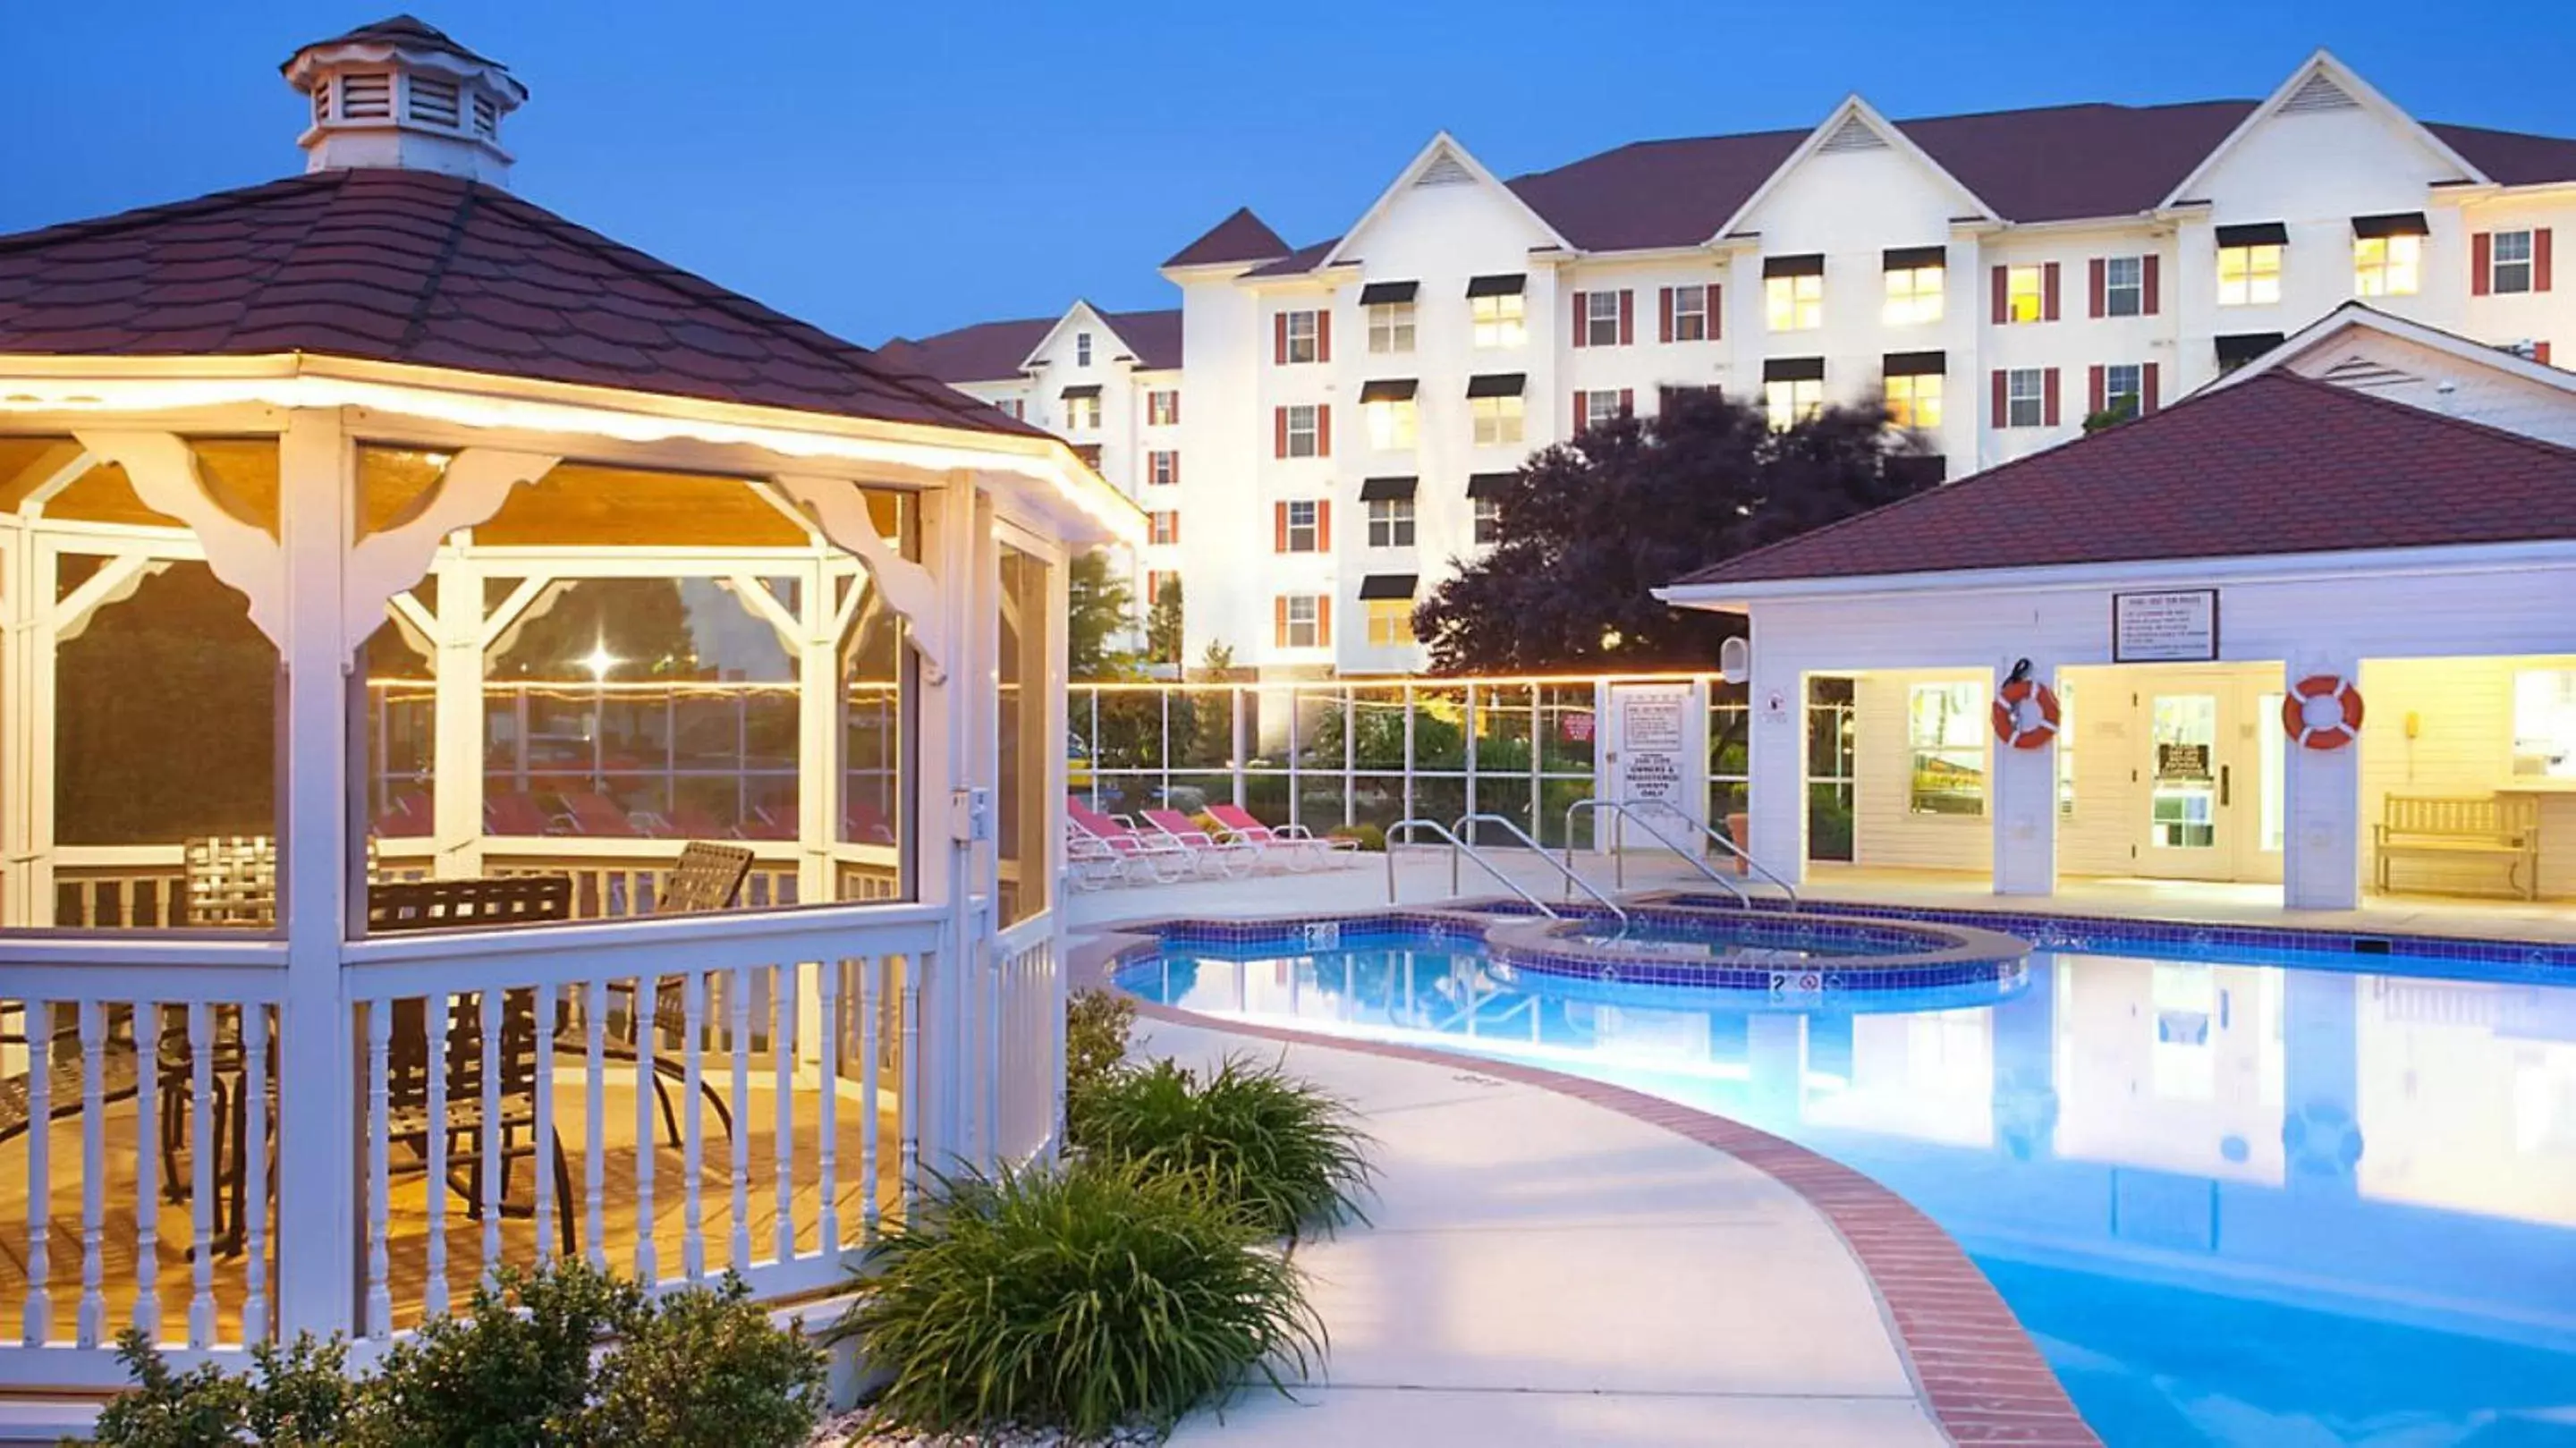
(841, 511)
(470, 489)
(242, 554)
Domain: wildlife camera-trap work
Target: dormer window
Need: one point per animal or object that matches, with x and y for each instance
(435, 102)
(1082, 349)
(366, 97)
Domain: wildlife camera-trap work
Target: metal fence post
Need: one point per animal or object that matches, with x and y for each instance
(1234, 705)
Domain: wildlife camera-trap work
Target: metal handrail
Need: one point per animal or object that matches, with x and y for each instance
(1567, 869)
(1628, 815)
(1724, 841)
(1457, 847)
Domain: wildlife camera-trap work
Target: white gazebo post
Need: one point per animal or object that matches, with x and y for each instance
(2023, 801)
(19, 617)
(456, 748)
(1776, 764)
(2321, 797)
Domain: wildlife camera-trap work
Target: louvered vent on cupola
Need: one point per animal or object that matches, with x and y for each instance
(435, 102)
(1854, 135)
(366, 97)
(1445, 170)
(2319, 93)
(487, 117)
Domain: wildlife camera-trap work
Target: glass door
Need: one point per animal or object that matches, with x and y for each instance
(2191, 831)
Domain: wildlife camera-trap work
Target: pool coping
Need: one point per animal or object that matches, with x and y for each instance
(1974, 1367)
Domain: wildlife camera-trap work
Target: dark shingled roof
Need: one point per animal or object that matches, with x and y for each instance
(993, 351)
(2510, 158)
(1241, 237)
(1299, 262)
(415, 267)
(398, 30)
(2275, 464)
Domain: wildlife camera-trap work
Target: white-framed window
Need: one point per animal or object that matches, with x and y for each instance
(2387, 266)
(1163, 407)
(1305, 527)
(1390, 622)
(1391, 327)
(1305, 432)
(2249, 276)
(1304, 622)
(1496, 420)
(1914, 294)
(1015, 407)
(1600, 405)
(2025, 293)
(2544, 723)
(2124, 394)
(1162, 468)
(2026, 397)
(2124, 286)
(1304, 338)
(1082, 349)
(1489, 520)
(1792, 402)
(1601, 318)
(1498, 322)
(1914, 400)
(1082, 413)
(1390, 522)
(1945, 727)
(1794, 304)
(2509, 261)
(1691, 313)
(1391, 423)
(1162, 530)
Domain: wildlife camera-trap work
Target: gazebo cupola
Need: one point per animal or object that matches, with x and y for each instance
(399, 93)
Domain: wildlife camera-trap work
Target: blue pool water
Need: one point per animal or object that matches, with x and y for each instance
(2263, 1200)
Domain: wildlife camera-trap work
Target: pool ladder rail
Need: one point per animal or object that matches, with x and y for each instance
(1457, 847)
(1628, 814)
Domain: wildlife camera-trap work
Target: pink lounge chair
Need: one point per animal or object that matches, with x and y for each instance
(864, 824)
(1227, 857)
(519, 814)
(598, 815)
(766, 825)
(692, 822)
(1299, 847)
(408, 817)
(1158, 855)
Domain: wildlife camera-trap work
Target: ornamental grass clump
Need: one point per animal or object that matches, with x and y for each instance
(1081, 1299)
(1278, 1147)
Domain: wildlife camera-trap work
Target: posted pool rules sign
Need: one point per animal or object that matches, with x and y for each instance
(1654, 741)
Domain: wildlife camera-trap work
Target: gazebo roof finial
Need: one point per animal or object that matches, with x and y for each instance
(400, 93)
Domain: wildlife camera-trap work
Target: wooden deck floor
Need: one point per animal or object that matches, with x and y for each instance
(408, 1214)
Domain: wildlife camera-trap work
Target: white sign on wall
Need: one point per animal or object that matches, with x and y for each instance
(2175, 627)
(1652, 767)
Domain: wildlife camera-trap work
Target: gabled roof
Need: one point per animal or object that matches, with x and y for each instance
(2355, 315)
(2279, 464)
(405, 30)
(1874, 131)
(997, 351)
(1297, 263)
(1242, 237)
(438, 271)
(2323, 77)
(1441, 150)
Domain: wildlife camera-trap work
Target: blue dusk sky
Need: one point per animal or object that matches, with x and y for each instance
(891, 169)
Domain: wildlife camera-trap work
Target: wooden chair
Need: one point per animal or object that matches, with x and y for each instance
(231, 881)
(706, 877)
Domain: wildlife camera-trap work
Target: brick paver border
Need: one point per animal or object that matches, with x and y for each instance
(1973, 1365)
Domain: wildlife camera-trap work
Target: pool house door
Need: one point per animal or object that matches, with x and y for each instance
(2210, 808)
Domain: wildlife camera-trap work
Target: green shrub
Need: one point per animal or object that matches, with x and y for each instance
(293, 1397)
(708, 1368)
(1080, 1299)
(515, 1370)
(1372, 838)
(1276, 1146)
(1096, 1022)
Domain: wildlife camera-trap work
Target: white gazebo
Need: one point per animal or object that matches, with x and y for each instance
(399, 581)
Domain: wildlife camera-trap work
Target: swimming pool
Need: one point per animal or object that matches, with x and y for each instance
(2238, 1194)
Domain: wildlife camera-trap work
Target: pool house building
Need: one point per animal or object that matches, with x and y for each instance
(532, 753)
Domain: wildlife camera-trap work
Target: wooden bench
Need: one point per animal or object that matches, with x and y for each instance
(2503, 827)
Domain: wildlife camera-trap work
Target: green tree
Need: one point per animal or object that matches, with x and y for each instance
(1099, 608)
(1163, 625)
(1590, 527)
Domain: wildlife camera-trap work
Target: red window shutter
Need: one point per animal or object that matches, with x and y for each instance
(1324, 431)
(1627, 317)
(1323, 336)
(1708, 300)
(1664, 309)
(2003, 296)
(2048, 398)
(1279, 622)
(2481, 257)
(2096, 286)
(2003, 408)
(1279, 527)
(1582, 320)
(2147, 389)
(1323, 621)
(2095, 400)
(1176, 469)
(1279, 432)
(1279, 338)
(2540, 353)
(1627, 402)
(2048, 292)
(2540, 259)
(1582, 413)
(1324, 526)
(1176, 408)
(2149, 272)
(1176, 531)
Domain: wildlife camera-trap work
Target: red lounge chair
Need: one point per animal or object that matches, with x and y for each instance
(408, 817)
(696, 823)
(1299, 847)
(519, 814)
(1159, 855)
(598, 815)
(864, 824)
(1206, 851)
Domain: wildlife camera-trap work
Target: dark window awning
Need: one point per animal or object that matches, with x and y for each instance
(2258, 233)
(1793, 369)
(2238, 348)
(1509, 286)
(1907, 258)
(1489, 485)
(1812, 265)
(1388, 585)
(1388, 389)
(2395, 223)
(1914, 364)
(1496, 384)
(1087, 389)
(1383, 490)
(1377, 294)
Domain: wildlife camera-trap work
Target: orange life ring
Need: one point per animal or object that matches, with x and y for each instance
(2322, 711)
(2025, 714)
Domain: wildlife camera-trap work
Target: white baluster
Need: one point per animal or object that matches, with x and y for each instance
(380, 1034)
(147, 1168)
(434, 1016)
(494, 1168)
(647, 1025)
(39, 1324)
(92, 1317)
(254, 1168)
(782, 1055)
(827, 999)
(693, 1012)
(594, 1100)
(911, 1037)
(872, 1060)
(201, 1172)
(997, 974)
(541, 1162)
(738, 1029)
